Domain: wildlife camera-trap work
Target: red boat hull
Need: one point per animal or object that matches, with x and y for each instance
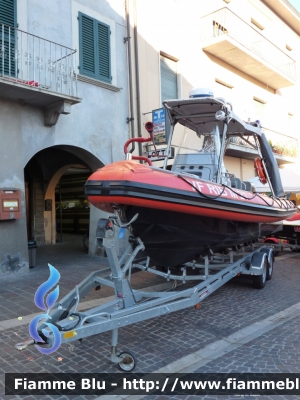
(181, 217)
(132, 184)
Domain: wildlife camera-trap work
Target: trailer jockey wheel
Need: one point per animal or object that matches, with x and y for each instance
(128, 362)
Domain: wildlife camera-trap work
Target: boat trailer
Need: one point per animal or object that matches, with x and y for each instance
(130, 306)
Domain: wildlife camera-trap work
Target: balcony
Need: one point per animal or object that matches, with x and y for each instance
(285, 148)
(37, 72)
(230, 39)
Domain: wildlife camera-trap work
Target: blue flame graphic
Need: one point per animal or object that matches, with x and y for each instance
(45, 287)
(50, 300)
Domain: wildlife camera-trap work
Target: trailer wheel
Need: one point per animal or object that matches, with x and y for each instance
(270, 262)
(295, 250)
(128, 362)
(270, 269)
(259, 281)
(276, 253)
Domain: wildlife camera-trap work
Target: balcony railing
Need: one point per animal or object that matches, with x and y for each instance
(35, 62)
(225, 22)
(282, 145)
(239, 141)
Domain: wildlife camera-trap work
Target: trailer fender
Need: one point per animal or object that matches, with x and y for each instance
(271, 258)
(270, 254)
(257, 263)
(272, 240)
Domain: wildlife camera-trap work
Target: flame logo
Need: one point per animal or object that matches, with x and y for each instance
(39, 302)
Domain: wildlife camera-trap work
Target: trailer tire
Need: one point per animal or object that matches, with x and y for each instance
(270, 269)
(270, 262)
(128, 362)
(295, 250)
(277, 252)
(259, 281)
(85, 240)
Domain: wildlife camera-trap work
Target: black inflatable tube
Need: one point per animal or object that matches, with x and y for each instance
(271, 166)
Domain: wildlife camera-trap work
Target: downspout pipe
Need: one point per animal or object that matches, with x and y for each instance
(130, 120)
(137, 78)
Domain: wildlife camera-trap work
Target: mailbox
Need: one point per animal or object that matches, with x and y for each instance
(10, 203)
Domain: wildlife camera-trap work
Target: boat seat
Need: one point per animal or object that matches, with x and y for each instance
(236, 183)
(248, 186)
(202, 171)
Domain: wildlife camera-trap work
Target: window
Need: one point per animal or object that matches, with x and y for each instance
(290, 123)
(8, 12)
(223, 89)
(7, 36)
(168, 78)
(258, 109)
(94, 46)
(257, 24)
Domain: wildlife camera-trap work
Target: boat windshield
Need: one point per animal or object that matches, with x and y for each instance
(206, 142)
(199, 153)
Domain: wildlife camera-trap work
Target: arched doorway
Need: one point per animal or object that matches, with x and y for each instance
(66, 209)
(54, 177)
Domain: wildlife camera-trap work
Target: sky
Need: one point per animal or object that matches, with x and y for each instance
(295, 4)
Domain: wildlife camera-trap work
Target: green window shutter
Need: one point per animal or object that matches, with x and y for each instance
(104, 52)
(168, 78)
(87, 45)
(94, 48)
(8, 12)
(8, 16)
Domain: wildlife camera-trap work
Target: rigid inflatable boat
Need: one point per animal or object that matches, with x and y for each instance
(197, 206)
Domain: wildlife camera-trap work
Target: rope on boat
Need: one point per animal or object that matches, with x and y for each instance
(202, 194)
(245, 197)
(283, 203)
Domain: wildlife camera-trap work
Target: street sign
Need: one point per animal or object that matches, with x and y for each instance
(159, 122)
(159, 154)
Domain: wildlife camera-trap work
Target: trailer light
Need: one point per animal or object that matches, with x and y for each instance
(70, 334)
(197, 306)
